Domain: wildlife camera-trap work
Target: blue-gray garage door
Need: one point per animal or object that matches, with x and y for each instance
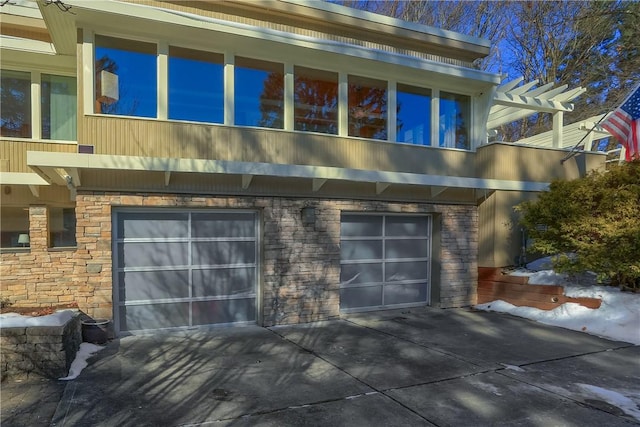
(385, 261)
(175, 268)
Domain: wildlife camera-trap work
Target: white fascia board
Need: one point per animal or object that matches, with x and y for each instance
(27, 9)
(248, 31)
(20, 44)
(387, 20)
(21, 178)
(45, 160)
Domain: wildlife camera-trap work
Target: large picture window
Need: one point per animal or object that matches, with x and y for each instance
(367, 108)
(196, 85)
(126, 77)
(259, 93)
(15, 104)
(316, 100)
(413, 119)
(455, 121)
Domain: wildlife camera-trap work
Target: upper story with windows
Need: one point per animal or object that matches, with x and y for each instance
(276, 82)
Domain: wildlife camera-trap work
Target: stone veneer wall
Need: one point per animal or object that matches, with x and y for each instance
(300, 260)
(45, 351)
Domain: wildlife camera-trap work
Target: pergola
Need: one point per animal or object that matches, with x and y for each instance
(513, 101)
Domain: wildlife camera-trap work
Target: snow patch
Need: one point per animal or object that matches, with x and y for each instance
(80, 362)
(614, 398)
(513, 367)
(618, 317)
(15, 320)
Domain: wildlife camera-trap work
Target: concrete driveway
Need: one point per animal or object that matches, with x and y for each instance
(420, 366)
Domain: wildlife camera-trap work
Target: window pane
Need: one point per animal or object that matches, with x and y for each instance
(224, 281)
(404, 248)
(259, 93)
(405, 294)
(361, 249)
(223, 253)
(216, 224)
(367, 108)
(353, 274)
(370, 296)
(196, 85)
(59, 107)
(361, 225)
(14, 227)
(412, 270)
(316, 100)
(154, 316)
(152, 254)
(15, 104)
(153, 285)
(62, 227)
(455, 120)
(413, 124)
(126, 77)
(155, 225)
(224, 311)
(407, 226)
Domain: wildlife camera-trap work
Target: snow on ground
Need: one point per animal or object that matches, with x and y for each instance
(80, 362)
(618, 318)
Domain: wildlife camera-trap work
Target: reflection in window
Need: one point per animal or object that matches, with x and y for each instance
(367, 108)
(316, 100)
(413, 124)
(62, 227)
(196, 85)
(126, 77)
(15, 104)
(14, 227)
(455, 120)
(58, 107)
(259, 93)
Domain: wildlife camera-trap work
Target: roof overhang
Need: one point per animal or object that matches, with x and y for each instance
(66, 169)
(151, 21)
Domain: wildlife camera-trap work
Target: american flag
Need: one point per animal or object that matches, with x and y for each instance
(624, 125)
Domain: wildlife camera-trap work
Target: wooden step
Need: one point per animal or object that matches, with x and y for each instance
(493, 286)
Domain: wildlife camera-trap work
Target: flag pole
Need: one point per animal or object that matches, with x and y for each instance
(573, 151)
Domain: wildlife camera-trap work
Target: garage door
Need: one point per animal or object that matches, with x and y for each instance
(385, 261)
(184, 268)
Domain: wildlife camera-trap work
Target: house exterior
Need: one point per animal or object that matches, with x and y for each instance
(176, 164)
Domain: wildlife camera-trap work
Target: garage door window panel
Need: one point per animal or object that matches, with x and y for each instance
(370, 296)
(224, 282)
(223, 253)
(405, 294)
(153, 225)
(403, 226)
(154, 316)
(153, 285)
(224, 311)
(357, 274)
(406, 248)
(222, 225)
(150, 254)
(361, 249)
(404, 271)
(361, 226)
